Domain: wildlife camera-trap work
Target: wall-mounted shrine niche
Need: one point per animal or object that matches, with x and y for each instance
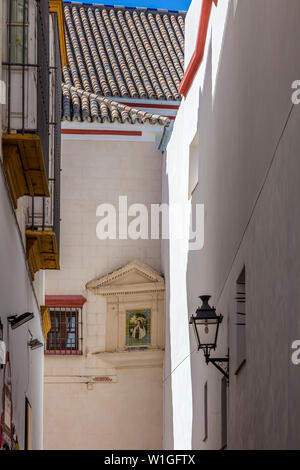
(138, 327)
(135, 307)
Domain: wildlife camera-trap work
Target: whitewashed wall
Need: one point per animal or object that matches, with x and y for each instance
(16, 297)
(243, 91)
(98, 170)
(177, 171)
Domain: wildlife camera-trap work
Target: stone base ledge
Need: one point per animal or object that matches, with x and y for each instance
(133, 359)
(87, 379)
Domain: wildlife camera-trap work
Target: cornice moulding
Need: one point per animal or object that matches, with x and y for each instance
(108, 285)
(130, 289)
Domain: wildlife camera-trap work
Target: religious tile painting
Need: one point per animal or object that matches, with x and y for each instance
(138, 327)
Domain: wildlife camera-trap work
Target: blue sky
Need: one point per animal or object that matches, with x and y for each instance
(168, 4)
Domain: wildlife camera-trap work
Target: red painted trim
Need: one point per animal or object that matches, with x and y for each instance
(102, 379)
(63, 352)
(99, 132)
(64, 300)
(5, 388)
(154, 106)
(197, 57)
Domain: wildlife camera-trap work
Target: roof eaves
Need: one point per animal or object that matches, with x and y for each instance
(113, 106)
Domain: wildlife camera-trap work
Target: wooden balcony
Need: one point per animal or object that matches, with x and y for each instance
(41, 250)
(56, 6)
(24, 166)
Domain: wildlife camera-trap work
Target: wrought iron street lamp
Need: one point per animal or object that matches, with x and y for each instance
(16, 321)
(35, 343)
(206, 324)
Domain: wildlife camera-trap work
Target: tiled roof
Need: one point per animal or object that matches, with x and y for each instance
(80, 105)
(122, 52)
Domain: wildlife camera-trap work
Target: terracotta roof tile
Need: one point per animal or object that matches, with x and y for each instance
(115, 51)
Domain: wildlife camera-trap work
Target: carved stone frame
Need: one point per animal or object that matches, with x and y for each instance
(135, 286)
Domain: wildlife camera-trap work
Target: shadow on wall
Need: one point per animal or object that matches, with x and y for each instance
(168, 401)
(197, 284)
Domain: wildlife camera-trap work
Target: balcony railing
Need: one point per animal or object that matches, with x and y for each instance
(26, 70)
(31, 138)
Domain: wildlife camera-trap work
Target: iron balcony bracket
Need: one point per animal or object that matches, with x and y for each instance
(221, 363)
(217, 362)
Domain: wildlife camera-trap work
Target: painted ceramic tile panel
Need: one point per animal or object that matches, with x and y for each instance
(138, 327)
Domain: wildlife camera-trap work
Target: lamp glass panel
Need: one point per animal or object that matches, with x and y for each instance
(207, 330)
(196, 334)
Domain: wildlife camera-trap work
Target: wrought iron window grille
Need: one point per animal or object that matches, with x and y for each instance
(65, 336)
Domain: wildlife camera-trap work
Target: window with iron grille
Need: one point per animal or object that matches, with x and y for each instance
(65, 336)
(18, 31)
(241, 321)
(224, 413)
(205, 415)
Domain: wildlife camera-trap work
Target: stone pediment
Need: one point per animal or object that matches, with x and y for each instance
(134, 277)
